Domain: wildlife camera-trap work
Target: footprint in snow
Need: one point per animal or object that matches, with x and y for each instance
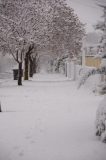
(28, 137)
(21, 154)
(16, 147)
(32, 141)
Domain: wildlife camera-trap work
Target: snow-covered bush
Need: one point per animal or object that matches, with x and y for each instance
(101, 120)
(101, 88)
(102, 70)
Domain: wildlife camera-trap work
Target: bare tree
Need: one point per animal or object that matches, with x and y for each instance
(66, 31)
(51, 26)
(21, 20)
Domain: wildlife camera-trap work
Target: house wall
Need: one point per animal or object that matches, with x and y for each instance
(91, 61)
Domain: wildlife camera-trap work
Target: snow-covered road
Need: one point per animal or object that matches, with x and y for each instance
(48, 119)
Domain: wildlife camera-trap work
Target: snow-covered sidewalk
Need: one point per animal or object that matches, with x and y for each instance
(48, 119)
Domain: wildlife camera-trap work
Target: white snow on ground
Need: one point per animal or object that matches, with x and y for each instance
(48, 118)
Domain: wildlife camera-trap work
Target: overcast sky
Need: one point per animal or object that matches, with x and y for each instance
(88, 12)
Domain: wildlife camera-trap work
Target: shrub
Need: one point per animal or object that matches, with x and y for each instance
(101, 120)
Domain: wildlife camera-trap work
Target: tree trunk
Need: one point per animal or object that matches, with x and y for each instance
(26, 72)
(20, 74)
(34, 65)
(31, 68)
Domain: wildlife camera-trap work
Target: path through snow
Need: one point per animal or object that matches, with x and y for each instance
(48, 119)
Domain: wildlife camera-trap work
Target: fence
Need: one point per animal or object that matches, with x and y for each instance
(75, 72)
